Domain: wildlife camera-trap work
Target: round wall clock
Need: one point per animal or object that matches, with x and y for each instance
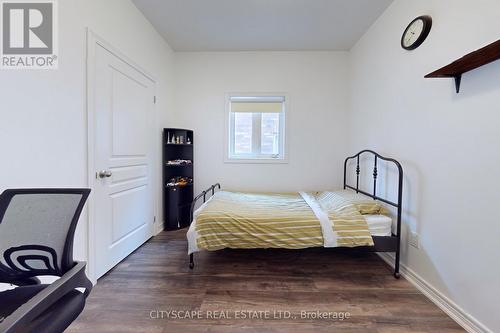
(416, 32)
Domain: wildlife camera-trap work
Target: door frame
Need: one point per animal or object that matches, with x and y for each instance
(93, 40)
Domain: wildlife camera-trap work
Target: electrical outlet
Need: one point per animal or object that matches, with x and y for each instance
(414, 240)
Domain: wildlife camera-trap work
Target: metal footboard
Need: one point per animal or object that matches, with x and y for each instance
(210, 191)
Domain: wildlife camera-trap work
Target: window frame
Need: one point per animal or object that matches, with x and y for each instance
(229, 130)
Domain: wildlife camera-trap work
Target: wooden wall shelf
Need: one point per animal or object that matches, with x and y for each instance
(467, 63)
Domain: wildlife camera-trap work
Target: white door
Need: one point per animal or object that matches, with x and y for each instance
(123, 159)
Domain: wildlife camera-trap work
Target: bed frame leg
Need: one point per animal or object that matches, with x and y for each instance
(191, 261)
(396, 266)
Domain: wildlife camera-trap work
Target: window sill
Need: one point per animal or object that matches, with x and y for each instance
(256, 160)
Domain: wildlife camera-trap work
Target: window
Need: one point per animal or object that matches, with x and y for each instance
(256, 128)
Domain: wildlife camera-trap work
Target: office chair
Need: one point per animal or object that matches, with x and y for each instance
(37, 228)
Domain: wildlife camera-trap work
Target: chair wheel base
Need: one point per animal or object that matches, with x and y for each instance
(191, 265)
(397, 275)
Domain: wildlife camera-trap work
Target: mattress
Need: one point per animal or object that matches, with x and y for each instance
(379, 225)
(240, 220)
(281, 220)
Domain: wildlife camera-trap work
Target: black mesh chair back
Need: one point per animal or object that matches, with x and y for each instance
(37, 228)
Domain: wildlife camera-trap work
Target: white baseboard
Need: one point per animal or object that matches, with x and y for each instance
(468, 322)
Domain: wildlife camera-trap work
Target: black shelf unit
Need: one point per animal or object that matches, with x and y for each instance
(177, 199)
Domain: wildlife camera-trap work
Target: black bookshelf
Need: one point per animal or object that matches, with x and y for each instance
(177, 178)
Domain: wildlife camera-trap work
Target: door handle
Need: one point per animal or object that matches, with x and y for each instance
(104, 174)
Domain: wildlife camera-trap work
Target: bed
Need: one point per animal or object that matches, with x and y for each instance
(348, 218)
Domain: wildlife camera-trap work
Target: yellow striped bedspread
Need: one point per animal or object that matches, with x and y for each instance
(285, 220)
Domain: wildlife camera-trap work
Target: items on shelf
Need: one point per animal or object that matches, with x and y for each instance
(179, 140)
(179, 162)
(180, 181)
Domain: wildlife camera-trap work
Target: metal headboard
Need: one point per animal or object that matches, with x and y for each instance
(375, 174)
(374, 195)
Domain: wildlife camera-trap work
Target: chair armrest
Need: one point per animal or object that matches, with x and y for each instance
(26, 313)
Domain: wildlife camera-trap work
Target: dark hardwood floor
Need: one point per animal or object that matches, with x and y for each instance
(157, 277)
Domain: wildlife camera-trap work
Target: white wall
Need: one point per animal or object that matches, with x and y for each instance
(43, 131)
(318, 96)
(449, 144)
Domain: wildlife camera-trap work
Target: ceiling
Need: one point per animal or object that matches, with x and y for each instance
(255, 25)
